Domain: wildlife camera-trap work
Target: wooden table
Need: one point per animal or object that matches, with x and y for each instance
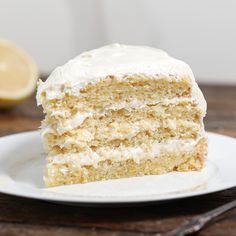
(20, 216)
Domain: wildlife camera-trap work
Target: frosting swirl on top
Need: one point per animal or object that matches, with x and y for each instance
(118, 60)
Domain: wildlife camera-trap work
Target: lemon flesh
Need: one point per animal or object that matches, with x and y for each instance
(18, 74)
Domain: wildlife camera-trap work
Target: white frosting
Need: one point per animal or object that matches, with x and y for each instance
(118, 60)
(73, 122)
(137, 154)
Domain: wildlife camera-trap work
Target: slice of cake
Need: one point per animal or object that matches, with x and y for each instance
(121, 111)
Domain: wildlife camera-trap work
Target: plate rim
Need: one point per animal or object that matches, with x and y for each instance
(116, 201)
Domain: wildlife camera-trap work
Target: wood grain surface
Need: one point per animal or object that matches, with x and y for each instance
(21, 216)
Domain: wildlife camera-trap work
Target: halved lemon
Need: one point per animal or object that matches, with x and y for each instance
(18, 74)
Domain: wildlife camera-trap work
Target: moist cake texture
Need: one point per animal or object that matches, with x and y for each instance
(121, 111)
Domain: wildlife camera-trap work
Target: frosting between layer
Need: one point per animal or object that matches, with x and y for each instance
(78, 119)
(137, 154)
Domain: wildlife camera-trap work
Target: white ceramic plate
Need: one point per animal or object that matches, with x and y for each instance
(22, 163)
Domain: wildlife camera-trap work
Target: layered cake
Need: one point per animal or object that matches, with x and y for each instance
(121, 111)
